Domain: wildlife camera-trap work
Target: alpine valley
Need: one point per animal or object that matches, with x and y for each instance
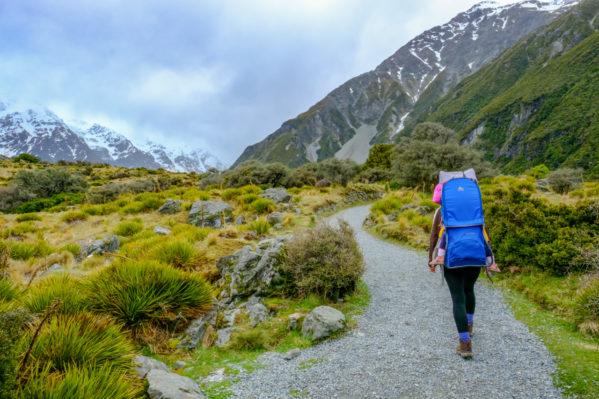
(428, 74)
(39, 131)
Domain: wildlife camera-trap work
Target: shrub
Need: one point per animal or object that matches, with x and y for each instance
(25, 157)
(539, 171)
(73, 248)
(253, 339)
(178, 253)
(260, 226)
(128, 228)
(51, 203)
(82, 340)
(247, 198)
(143, 203)
(44, 183)
(325, 261)
(59, 286)
(26, 217)
(74, 216)
(137, 293)
(564, 179)
(230, 193)
(98, 383)
(263, 205)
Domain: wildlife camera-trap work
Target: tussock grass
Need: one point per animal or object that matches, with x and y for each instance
(263, 205)
(74, 216)
(60, 286)
(8, 290)
(253, 339)
(128, 228)
(98, 383)
(26, 217)
(178, 253)
(260, 226)
(82, 340)
(147, 292)
(26, 250)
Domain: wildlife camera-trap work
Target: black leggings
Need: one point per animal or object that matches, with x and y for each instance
(461, 286)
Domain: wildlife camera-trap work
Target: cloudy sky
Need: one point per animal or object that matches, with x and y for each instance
(212, 74)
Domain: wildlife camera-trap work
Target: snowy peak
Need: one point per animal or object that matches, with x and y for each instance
(39, 131)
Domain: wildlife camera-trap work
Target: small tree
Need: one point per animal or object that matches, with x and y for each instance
(564, 179)
(379, 157)
(28, 158)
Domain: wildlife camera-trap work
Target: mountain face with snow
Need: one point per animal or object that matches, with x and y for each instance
(376, 106)
(38, 131)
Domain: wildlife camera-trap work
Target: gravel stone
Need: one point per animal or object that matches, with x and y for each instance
(404, 344)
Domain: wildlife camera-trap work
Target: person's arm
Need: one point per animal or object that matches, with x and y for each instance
(434, 234)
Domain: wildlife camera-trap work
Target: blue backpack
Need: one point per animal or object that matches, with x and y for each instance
(462, 213)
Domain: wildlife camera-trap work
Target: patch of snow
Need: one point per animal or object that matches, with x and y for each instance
(470, 65)
(401, 125)
(423, 61)
(351, 91)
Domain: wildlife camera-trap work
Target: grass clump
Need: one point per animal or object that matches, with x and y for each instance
(142, 293)
(260, 226)
(325, 261)
(76, 382)
(82, 340)
(180, 254)
(588, 308)
(26, 217)
(74, 216)
(8, 290)
(263, 205)
(128, 228)
(61, 287)
(251, 340)
(27, 250)
(13, 324)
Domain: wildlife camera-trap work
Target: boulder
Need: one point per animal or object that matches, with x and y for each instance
(258, 313)
(224, 336)
(322, 321)
(162, 231)
(276, 195)
(197, 330)
(240, 220)
(165, 385)
(250, 271)
(99, 247)
(210, 214)
(217, 375)
(170, 206)
(275, 218)
(179, 364)
(144, 364)
(292, 354)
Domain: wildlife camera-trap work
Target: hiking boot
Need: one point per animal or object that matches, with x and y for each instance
(465, 349)
(470, 326)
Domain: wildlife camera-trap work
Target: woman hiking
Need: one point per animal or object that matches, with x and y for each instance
(465, 241)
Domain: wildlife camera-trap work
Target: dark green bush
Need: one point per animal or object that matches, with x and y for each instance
(47, 182)
(564, 179)
(41, 204)
(28, 158)
(13, 324)
(144, 293)
(325, 261)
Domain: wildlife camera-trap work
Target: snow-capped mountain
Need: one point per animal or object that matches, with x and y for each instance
(376, 106)
(183, 161)
(37, 130)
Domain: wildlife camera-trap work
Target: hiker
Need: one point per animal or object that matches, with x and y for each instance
(465, 242)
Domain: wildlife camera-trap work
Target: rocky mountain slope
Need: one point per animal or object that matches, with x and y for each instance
(37, 130)
(539, 101)
(375, 107)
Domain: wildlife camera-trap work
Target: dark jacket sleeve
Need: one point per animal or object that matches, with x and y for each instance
(434, 233)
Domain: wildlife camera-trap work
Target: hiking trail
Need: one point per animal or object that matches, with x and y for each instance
(404, 344)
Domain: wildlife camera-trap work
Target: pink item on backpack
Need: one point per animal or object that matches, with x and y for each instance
(437, 193)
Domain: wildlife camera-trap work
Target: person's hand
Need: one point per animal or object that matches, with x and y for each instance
(494, 268)
(432, 268)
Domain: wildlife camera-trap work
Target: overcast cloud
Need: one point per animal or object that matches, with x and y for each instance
(213, 74)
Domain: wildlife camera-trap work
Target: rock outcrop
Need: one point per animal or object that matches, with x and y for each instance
(99, 247)
(276, 195)
(170, 206)
(322, 321)
(210, 214)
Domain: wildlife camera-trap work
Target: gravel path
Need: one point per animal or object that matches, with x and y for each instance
(404, 345)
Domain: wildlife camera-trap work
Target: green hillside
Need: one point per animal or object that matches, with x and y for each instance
(538, 102)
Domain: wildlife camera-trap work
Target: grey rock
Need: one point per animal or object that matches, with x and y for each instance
(165, 385)
(276, 195)
(294, 320)
(163, 231)
(240, 220)
(392, 217)
(210, 214)
(229, 317)
(275, 217)
(249, 271)
(99, 247)
(217, 375)
(197, 329)
(322, 321)
(224, 336)
(258, 313)
(278, 226)
(179, 364)
(407, 207)
(54, 268)
(170, 206)
(144, 364)
(292, 354)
